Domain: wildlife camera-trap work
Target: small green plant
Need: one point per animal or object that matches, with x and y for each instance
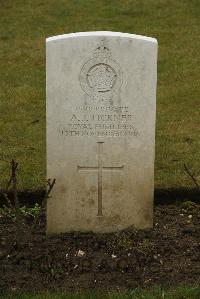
(35, 211)
(145, 246)
(122, 240)
(190, 206)
(7, 212)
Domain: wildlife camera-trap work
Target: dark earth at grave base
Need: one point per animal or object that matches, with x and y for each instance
(167, 255)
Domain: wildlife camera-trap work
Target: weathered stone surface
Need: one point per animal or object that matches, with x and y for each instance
(101, 107)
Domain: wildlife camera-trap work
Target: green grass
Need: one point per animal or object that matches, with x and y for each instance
(24, 25)
(158, 293)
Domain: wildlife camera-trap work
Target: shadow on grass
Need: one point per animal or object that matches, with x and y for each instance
(176, 195)
(26, 197)
(161, 196)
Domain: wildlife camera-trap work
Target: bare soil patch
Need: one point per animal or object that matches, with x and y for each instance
(168, 254)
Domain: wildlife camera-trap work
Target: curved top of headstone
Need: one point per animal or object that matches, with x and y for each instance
(101, 33)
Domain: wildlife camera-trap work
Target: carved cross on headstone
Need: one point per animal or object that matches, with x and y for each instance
(100, 168)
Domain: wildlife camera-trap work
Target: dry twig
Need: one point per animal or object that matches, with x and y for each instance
(50, 185)
(5, 195)
(13, 180)
(191, 176)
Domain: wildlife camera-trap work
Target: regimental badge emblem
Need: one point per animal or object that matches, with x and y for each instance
(101, 76)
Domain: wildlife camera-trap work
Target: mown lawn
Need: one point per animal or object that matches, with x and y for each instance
(24, 25)
(157, 293)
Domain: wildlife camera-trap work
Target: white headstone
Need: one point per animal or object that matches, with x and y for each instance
(101, 108)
